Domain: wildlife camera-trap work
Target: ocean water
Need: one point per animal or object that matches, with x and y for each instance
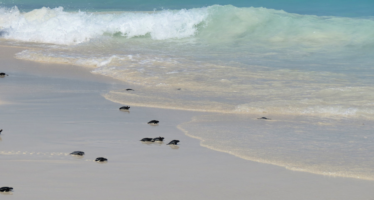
(307, 65)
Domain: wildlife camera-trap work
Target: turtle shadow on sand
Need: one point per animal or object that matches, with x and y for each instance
(6, 193)
(77, 157)
(147, 143)
(158, 143)
(264, 118)
(100, 163)
(175, 147)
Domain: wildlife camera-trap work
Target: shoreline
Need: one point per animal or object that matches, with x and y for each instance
(137, 99)
(71, 115)
(209, 142)
(85, 72)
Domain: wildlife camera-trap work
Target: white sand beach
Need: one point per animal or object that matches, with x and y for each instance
(57, 109)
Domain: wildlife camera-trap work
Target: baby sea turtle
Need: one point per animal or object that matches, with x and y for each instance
(1, 130)
(263, 118)
(2, 74)
(147, 140)
(77, 153)
(6, 189)
(153, 122)
(158, 139)
(173, 142)
(124, 108)
(129, 89)
(101, 159)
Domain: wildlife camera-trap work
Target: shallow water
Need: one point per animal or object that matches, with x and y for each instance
(230, 60)
(310, 144)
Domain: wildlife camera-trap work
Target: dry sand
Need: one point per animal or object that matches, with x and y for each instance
(57, 109)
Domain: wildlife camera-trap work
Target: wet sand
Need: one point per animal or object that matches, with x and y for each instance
(54, 110)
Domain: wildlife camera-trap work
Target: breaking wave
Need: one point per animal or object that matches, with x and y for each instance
(211, 24)
(56, 26)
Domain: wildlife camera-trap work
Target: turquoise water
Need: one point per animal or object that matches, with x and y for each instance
(247, 35)
(308, 65)
(318, 7)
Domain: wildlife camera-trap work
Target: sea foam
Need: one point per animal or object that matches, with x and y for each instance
(151, 49)
(213, 24)
(56, 26)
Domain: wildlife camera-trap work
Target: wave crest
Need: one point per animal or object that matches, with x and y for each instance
(56, 26)
(213, 24)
